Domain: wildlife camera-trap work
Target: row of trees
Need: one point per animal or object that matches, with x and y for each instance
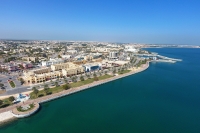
(47, 90)
(11, 99)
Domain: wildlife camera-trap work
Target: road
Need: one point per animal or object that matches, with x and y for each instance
(21, 88)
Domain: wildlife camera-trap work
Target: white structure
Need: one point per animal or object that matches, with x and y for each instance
(129, 48)
(21, 98)
(113, 55)
(66, 56)
(92, 67)
(71, 51)
(52, 62)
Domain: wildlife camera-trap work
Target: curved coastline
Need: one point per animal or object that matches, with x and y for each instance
(48, 98)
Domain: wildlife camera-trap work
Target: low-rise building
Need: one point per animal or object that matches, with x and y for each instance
(40, 75)
(68, 68)
(52, 62)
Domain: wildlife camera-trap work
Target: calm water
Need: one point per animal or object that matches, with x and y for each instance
(164, 98)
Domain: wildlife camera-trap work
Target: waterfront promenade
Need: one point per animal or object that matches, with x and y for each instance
(73, 90)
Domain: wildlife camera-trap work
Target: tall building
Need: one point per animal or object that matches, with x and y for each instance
(113, 55)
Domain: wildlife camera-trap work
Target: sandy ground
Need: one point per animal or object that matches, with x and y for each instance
(6, 116)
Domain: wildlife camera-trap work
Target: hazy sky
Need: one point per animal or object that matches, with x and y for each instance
(140, 21)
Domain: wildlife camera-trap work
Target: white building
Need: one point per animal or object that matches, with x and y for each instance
(113, 55)
(52, 62)
(129, 48)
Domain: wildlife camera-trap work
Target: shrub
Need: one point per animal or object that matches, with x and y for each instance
(11, 98)
(66, 87)
(41, 95)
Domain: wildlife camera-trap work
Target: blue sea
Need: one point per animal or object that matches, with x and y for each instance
(163, 99)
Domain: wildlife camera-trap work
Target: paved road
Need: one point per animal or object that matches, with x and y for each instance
(19, 88)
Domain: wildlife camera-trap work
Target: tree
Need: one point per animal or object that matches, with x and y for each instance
(88, 75)
(56, 84)
(74, 79)
(1, 85)
(66, 86)
(11, 98)
(96, 78)
(21, 66)
(46, 86)
(82, 78)
(66, 81)
(22, 81)
(94, 75)
(114, 71)
(1, 102)
(35, 91)
(46, 90)
(106, 72)
(59, 56)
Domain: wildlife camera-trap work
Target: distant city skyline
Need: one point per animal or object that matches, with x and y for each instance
(133, 21)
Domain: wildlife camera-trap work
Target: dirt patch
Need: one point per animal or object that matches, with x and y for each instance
(2, 91)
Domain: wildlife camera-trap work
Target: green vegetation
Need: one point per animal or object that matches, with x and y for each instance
(96, 78)
(12, 84)
(80, 83)
(141, 62)
(42, 93)
(6, 102)
(57, 89)
(20, 109)
(82, 78)
(1, 85)
(11, 98)
(124, 71)
(104, 77)
(66, 86)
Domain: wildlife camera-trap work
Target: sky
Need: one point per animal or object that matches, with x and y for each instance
(134, 21)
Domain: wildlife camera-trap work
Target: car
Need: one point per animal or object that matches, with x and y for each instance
(10, 78)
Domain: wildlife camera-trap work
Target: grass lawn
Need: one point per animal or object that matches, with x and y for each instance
(73, 85)
(12, 84)
(104, 77)
(42, 92)
(21, 110)
(124, 71)
(80, 83)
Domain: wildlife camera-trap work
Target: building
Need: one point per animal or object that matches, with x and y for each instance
(92, 67)
(113, 55)
(40, 75)
(108, 64)
(71, 69)
(29, 59)
(52, 62)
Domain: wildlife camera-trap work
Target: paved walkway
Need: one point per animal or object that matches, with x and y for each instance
(73, 90)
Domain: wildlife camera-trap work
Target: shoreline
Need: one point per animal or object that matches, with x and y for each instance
(66, 92)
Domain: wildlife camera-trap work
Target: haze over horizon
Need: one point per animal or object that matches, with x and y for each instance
(138, 21)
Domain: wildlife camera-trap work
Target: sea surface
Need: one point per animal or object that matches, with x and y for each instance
(163, 99)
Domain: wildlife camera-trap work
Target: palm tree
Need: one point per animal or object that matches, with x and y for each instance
(11, 98)
(35, 91)
(82, 78)
(66, 81)
(56, 84)
(1, 102)
(106, 72)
